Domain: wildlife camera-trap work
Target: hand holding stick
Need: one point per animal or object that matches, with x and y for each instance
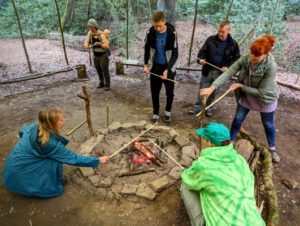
(171, 80)
(216, 101)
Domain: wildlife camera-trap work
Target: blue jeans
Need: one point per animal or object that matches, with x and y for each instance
(268, 120)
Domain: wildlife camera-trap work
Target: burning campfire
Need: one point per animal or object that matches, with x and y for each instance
(144, 152)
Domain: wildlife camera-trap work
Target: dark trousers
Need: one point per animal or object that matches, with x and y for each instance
(102, 66)
(268, 121)
(156, 84)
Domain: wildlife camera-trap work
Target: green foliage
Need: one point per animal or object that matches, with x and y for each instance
(37, 18)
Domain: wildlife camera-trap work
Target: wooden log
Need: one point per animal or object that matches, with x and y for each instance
(39, 75)
(81, 71)
(254, 160)
(119, 68)
(288, 85)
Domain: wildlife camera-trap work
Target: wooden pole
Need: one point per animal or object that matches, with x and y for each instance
(247, 36)
(22, 37)
(88, 110)
(291, 86)
(213, 103)
(76, 127)
(273, 17)
(61, 32)
(230, 6)
(126, 145)
(171, 80)
(193, 32)
(107, 115)
(127, 29)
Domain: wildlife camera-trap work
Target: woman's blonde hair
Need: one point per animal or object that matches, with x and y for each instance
(48, 123)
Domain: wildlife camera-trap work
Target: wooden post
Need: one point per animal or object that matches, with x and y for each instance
(62, 33)
(193, 32)
(127, 29)
(86, 97)
(107, 115)
(227, 16)
(119, 68)
(273, 17)
(21, 33)
(81, 71)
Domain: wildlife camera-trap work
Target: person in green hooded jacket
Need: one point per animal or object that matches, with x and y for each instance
(218, 188)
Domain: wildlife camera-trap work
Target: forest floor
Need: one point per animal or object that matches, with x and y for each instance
(129, 100)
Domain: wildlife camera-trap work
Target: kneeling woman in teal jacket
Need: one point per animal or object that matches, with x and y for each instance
(35, 165)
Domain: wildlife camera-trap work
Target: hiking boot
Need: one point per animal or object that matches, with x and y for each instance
(167, 117)
(208, 113)
(275, 157)
(107, 88)
(100, 86)
(154, 118)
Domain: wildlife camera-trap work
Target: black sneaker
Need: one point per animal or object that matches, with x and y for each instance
(208, 113)
(193, 112)
(100, 86)
(167, 117)
(154, 118)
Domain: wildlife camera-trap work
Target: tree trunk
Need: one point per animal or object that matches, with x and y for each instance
(169, 7)
(68, 15)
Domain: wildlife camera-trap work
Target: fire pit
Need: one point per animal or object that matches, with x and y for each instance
(145, 166)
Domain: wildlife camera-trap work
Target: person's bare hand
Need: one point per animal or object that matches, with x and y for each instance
(223, 69)
(104, 159)
(165, 75)
(146, 69)
(207, 91)
(202, 61)
(235, 86)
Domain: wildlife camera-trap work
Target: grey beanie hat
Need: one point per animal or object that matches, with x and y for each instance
(92, 23)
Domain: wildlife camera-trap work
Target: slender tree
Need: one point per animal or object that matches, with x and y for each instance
(62, 33)
(68, 15)
(193, 33)
(21, 33)
(169, 7)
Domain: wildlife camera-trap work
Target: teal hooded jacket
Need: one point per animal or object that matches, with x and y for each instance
(34, 171)
(226, 187)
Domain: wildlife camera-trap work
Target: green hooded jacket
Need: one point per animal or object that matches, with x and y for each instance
(226, 187)
(263, 80)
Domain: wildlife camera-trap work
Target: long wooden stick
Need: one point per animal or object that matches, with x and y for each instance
(79, 125)
(210, 64)
(216, 101)
(126, 145)
(166, 153)
(171, 80)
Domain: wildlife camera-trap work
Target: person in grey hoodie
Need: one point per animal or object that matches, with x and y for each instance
(256, 88)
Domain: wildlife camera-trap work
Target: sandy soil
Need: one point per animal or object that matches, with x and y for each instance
(129, 101)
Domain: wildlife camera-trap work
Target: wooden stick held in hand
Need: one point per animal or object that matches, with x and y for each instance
(171, 80)
(216, 101)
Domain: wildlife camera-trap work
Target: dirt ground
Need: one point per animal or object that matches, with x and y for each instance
(129, 101)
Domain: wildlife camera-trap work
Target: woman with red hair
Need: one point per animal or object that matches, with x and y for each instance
(256, 88)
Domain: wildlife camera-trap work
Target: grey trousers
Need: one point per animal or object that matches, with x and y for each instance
(102, 66)
(192, 204)
(206, 82)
